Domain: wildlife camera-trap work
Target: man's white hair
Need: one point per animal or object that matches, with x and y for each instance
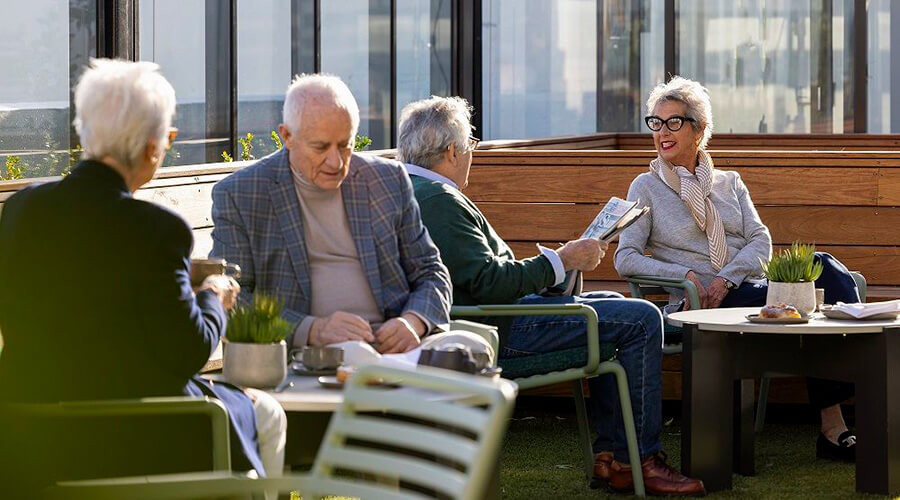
(323, 88)
(695, 98)
(120, 106)
(428, 127)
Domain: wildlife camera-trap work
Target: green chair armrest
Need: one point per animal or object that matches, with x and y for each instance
(182, 405)
(593, 342)
(690, 290)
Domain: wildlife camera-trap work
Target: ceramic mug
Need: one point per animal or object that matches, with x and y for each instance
(202, 268)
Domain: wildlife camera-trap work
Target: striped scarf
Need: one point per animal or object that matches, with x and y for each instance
(694, 191)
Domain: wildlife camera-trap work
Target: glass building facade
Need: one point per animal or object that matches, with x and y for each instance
(531, 68)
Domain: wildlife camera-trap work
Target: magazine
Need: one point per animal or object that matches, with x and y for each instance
(613, 218)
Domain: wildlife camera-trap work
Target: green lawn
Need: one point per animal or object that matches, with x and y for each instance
(540, 461)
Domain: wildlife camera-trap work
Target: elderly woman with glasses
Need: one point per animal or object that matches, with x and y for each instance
(703, 226)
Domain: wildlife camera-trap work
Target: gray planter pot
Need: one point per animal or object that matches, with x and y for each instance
(255, 365)
(800, 295)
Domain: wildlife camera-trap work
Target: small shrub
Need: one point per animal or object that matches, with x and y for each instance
(793, 265)
(259, 322)
(246, 147)
(14, 169)
(276, 140)
(361, 143)
(227, 157)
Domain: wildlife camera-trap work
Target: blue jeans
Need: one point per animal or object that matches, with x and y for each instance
(635, 327)
(839, 286)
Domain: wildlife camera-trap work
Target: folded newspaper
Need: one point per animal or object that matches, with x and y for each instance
(860, 311)
(613, 218)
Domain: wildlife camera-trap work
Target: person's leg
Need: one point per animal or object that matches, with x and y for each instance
(746, 295)
(271, 431)
(635, 326)
(826, 395)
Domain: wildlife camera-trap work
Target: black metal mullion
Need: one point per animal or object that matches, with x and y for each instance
(670, 39)
(117, 29)
(860, 66)
(221, 78)
(467, 55)
(392, 133)
(304, 48)
(599, 76)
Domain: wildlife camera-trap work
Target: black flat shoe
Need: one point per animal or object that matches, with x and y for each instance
(844, 451)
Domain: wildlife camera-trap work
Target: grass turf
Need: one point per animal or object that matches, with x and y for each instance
(541, 460)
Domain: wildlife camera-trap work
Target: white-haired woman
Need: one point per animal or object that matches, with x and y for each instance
(703, 226)
(96, 301)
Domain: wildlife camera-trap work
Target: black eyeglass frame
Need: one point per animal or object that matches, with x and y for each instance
(666, 122)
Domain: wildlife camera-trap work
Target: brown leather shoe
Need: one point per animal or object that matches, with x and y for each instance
(602, 461)
(659, 478)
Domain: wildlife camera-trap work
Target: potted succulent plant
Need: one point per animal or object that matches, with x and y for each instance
(255, 352)
(792, 274)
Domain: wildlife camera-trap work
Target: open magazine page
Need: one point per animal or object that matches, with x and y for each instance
(615, 216)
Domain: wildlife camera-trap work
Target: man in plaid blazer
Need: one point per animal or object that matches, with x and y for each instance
(336, 235)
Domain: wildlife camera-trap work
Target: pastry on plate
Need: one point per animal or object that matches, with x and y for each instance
(779, 310)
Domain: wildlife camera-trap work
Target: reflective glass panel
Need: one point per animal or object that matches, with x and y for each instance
(423, 50)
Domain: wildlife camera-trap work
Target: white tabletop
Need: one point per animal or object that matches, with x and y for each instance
(306, 395)
(735, 320)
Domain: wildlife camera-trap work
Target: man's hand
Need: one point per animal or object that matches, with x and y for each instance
(701, 292)
(716, 292)
(225, 287)
(338, 327)
(583, 254)
(399, 334)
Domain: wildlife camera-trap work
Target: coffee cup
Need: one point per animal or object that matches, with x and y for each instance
(316, 357)
(203, 268)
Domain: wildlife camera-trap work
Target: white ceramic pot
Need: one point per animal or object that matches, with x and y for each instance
(800, 295)
(255, 365)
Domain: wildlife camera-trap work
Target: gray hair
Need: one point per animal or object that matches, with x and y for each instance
(695, 98)
(120, 106)
(428, 127)
(319, 86)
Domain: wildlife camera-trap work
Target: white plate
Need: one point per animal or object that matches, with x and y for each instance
(837, 314)
(756, 318)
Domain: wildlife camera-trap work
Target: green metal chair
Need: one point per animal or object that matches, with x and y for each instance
(569, 365)
(380, 443)
(642, 286)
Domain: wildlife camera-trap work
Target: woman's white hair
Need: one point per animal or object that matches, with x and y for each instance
(120, 106)
(428, 127)
(321, 87)
(695, 98)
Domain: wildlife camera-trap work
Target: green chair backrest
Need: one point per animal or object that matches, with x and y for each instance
(436, 436)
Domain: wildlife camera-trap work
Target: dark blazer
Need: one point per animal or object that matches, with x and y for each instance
(96, 302)
(258, 225)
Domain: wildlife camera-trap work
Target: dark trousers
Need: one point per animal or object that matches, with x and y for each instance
(839, 286)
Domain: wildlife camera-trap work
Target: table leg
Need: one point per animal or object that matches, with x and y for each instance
(743, 427)
(878, 414)
(707, 388)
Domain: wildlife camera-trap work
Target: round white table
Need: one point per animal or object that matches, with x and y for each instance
(723, 354)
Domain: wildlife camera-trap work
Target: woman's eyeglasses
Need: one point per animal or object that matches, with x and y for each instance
(673, 123)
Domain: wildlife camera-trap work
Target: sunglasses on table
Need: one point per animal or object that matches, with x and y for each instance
(673, 123)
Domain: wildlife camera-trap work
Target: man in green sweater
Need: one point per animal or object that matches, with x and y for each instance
(436, 145)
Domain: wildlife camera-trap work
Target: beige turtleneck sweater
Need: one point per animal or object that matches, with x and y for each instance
(337, 279)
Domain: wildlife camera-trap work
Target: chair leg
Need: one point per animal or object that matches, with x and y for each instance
(584, 430)
(761, 405)
(634, 454)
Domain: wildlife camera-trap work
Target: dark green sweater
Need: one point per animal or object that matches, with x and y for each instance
(482, 266)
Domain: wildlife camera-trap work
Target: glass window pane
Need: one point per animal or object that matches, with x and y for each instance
(632, 56)
(173, 33)
(879, 25)
(355, 45)
(264, 69)
(423, 50)
(770, 66)
(539, 68)
(44, 45)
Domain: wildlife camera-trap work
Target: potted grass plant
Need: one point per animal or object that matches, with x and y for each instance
(255, 352)
(792, 274)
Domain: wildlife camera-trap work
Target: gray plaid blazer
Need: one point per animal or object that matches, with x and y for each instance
(258, 226)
